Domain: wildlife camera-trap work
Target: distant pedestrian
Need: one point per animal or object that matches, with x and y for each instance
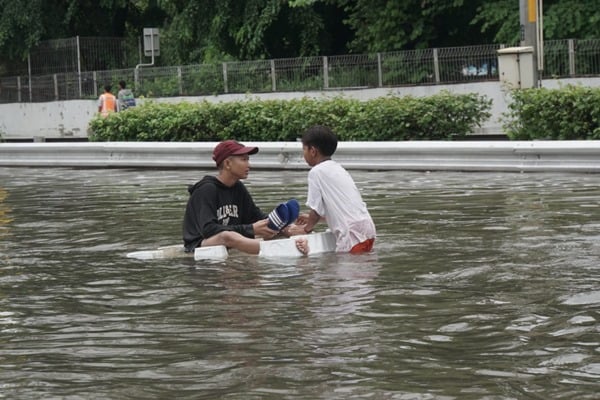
(107, 103)
(125, 97)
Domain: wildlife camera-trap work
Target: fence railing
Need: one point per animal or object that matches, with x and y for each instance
(563, 58)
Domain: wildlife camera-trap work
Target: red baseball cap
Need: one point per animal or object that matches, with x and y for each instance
(231, 148)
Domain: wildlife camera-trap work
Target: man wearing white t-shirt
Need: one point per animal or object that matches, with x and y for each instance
(333, 195)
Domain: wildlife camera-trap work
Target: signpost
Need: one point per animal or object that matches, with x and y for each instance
(151, 49)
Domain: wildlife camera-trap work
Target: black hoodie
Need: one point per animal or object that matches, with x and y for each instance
(214, 207)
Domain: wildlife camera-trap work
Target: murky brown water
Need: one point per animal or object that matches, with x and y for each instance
(482, 286)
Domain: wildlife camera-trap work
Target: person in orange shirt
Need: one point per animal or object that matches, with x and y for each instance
(107, 103)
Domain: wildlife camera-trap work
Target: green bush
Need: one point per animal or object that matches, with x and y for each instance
(568, 113)
(443, 116)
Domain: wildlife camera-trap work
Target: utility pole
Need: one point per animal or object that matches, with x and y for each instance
(532, 34)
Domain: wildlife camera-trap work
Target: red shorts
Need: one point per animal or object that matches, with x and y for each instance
(363, 247)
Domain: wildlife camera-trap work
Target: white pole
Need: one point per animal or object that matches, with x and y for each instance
(137, 67)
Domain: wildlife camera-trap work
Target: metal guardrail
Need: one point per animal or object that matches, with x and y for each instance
(563, 58)
(509, 156)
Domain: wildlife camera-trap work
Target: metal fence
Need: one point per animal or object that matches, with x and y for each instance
(563, 58)
(79, 54)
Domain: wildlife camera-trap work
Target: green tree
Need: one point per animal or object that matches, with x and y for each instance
(24, 23)
(211, 30)
(563, 19)
(214, 30)
(386, 25)
(500, 19)
(21, 27)
(572, 19)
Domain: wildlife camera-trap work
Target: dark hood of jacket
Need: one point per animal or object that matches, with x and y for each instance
(205, 180)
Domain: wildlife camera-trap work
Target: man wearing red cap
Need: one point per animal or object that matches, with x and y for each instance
(220, 210)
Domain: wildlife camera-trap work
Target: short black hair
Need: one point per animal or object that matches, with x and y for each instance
(122, 84)
(107, 88)
(322, 138)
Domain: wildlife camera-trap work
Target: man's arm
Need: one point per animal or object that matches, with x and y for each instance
(304, 224)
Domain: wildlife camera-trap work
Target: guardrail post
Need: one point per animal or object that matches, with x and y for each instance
(572, 57)
(325, 73)
(225, 87)
(379, 71)
(273, 77)
(436, 65)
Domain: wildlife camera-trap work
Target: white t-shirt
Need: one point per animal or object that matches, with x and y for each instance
(333, 194)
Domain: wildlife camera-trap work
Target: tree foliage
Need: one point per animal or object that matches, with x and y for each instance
(385, 25)
(21, 27)
(500, 19)
(205, 30)
(210, 30)
(563, 19)
(572, 19)
(24, 23)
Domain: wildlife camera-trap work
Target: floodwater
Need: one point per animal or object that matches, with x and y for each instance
(481, 286)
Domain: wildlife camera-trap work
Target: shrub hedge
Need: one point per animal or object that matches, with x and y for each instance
(443, 116)
(571, 112)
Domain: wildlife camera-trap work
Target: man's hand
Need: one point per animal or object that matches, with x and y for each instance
(294, 229)
(261, 229)
(305, 223)
(302, 219)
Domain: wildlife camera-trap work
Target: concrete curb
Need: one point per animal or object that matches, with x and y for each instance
(516, 156)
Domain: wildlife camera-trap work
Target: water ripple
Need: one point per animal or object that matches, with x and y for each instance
(482, 286)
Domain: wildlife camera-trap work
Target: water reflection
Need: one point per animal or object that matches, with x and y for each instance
(481, 286)
(5, 218)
